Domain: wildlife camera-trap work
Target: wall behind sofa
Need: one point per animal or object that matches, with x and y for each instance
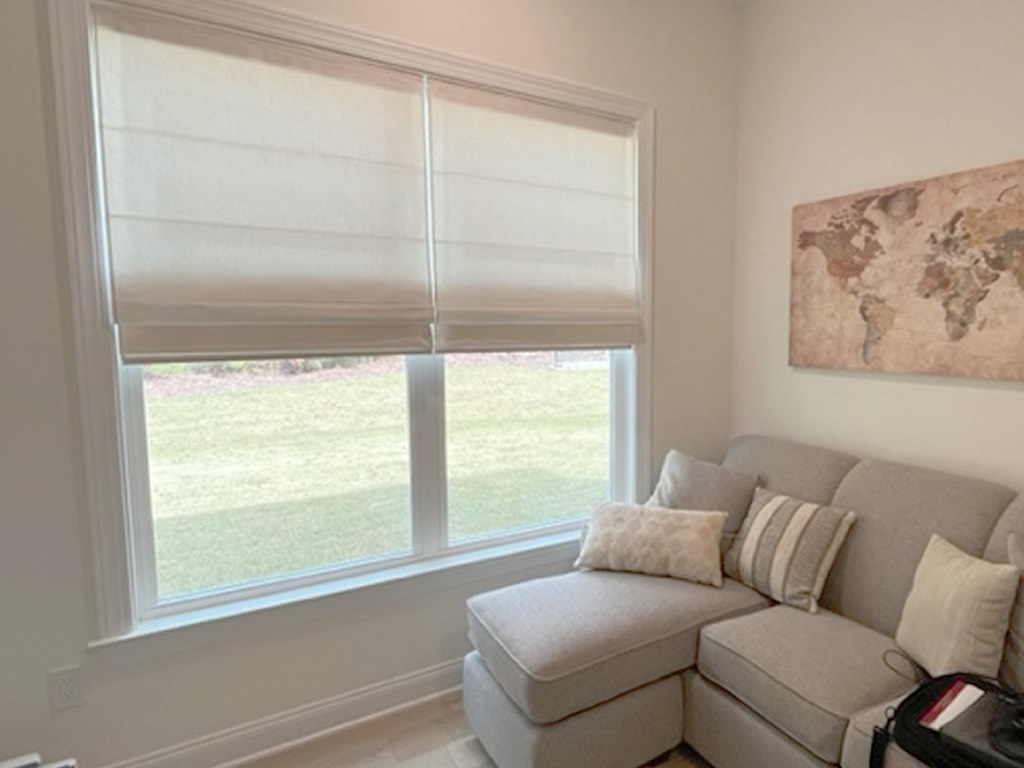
(152, 694)
(842, 97)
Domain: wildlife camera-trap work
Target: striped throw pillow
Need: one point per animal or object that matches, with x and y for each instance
(786, 548)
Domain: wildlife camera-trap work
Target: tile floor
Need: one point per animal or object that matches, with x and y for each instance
(430, 735)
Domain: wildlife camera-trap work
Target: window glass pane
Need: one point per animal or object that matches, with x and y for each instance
(528, 439)
(260, 469)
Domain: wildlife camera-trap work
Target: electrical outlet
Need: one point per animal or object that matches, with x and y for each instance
(65, 686)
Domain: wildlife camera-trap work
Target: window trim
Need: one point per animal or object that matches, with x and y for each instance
(343, 596)
(103, 387)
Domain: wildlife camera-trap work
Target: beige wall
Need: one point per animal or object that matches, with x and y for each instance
(841, 97)
(679, 55)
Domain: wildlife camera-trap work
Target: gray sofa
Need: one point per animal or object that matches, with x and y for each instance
(598, 669)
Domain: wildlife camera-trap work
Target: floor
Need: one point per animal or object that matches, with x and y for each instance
(429, 735)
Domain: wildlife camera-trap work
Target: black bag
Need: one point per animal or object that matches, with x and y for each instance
(984, 738)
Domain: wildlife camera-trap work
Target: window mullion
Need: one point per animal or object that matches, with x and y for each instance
(427, 460)
(621, 455)
(425, 375)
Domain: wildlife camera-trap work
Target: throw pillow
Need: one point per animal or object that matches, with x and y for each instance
(689, 483)
(787, 546)
(1012, 670)
(654, 540)
(956, 615)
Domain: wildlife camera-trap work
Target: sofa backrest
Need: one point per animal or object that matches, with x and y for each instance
(1011, 521)
(898, 508)
(796, 469)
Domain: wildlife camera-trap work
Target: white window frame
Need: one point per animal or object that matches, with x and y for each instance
(109, 395)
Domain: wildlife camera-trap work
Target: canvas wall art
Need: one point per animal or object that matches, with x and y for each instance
(925, 277)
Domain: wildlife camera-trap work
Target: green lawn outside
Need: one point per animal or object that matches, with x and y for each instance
(304, 471)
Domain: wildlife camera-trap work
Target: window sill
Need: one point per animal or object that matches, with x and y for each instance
(321, 600)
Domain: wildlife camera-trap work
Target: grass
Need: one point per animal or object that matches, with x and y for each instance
(287, 473)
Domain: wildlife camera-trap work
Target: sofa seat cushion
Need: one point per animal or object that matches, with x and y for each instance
(562, 644)
(807, 674)
(857, 741)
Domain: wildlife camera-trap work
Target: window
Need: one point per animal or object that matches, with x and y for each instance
(528, 439)
(341, 306)
(263, 469)
(259, 469)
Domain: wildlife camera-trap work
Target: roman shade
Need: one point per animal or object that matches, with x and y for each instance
(534, 223)
(267, 199)
(261, 198)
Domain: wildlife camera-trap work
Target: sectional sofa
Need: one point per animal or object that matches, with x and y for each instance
(599, 669)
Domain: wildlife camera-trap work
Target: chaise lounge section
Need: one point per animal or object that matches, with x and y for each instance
(584, 642)
(610, 670)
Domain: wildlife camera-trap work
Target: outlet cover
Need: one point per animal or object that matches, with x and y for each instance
(65, 685)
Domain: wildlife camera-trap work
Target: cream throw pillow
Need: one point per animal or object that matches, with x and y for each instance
(683, 544)
(956, 615)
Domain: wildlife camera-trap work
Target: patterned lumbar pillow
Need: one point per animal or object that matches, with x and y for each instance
(956, 615)
(786, 547)
(655, 540)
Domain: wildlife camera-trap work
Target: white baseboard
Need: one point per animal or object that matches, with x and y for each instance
(233, 746)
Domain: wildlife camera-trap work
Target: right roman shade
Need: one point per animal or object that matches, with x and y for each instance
(534, 224)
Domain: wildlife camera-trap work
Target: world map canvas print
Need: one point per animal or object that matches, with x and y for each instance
(925, 278)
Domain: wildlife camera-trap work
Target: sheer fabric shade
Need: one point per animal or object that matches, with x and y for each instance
(535, 210)
(264, 199)
(252, 185)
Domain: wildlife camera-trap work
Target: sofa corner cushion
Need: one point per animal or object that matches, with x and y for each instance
(560, 644)
(804, 673)
(689, 483)
(857, 741)
(788, 467)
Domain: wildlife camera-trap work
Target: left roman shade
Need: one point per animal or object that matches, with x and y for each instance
(261, 199)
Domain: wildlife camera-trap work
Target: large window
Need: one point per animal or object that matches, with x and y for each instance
(340, 307)
(260, 470)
